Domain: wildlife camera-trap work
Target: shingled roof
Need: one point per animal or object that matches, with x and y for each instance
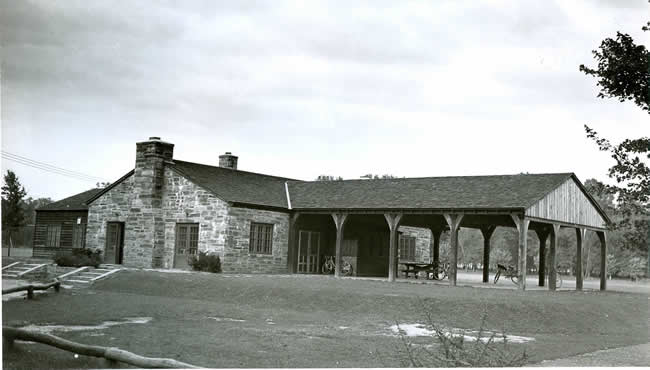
(459, 192)
(76, 202)
(236, 186)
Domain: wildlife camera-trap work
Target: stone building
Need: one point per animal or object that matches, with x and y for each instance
(166, 210)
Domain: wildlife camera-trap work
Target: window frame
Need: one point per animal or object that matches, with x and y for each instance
(407, 247)
(261, 238)
(78, 235)
(191, 238)
(53, 230)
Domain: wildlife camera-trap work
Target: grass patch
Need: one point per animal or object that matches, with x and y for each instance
(318, 321)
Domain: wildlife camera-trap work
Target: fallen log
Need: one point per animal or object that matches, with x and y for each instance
(32, 287)
(110, 353)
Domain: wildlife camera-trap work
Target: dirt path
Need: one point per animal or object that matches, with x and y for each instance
(638, 355)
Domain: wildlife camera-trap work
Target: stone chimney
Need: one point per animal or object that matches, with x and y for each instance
(147, 235)
(228, 161)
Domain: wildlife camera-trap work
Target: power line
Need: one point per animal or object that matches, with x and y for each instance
(16, 156)
(50, 168)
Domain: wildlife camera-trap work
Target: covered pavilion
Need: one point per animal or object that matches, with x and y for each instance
(543, 203)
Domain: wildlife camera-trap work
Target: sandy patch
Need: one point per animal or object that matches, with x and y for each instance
(48, 329)
(420, 330)
(225, 319)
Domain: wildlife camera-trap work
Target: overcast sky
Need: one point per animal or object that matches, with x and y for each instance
(299, 89)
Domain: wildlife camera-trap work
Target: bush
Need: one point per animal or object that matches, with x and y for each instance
(205, 262)
(79, 257)
(449, 350)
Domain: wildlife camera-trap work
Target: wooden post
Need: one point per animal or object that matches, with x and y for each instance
(522, 226)
(603, 259)
(487, 232)
(293, 231)
(393, 220)
(339, 221)
(30, 292)
(542, 235)
(552, 269)
(434, 253)
(580, 237)
(453, 220)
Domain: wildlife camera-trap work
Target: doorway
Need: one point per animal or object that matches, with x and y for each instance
(114, 243)
(308, 252)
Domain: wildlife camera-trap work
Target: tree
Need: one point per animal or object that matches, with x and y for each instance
(377, 177)
(623, 72)
(30, 205)
(12, 197)
(328, 178)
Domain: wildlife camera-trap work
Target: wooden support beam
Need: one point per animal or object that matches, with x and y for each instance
(580, 237)
(453, 220)
(339, 222)
(542, 235)
(522, 226)
(393, 220)
(552, 265)
(434, 253)
(603, 259)
(487, 232)
(293, 247)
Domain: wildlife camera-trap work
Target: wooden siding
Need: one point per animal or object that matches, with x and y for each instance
(567, 203)
(67, 220)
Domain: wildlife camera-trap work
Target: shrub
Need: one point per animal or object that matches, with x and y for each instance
(205, 262)
(79, 257)
(456, 351)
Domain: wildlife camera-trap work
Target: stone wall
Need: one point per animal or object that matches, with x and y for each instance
(185, 202)
(422, 242)
(237, 257)
(115, 205)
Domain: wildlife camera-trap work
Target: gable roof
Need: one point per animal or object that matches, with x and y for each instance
(236, 186)
(457, 192)
(77, 202)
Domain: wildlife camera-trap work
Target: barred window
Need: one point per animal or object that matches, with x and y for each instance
(53, 236)
(78, 236)
(187, 238)
(261, 241)
(407, 248)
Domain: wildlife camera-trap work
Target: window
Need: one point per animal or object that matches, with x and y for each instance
(53, 236)
(187, 238)
(407, 248)
(261, 241)
(78, 236)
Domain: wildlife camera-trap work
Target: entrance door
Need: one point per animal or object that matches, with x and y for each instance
(308, 252)
(187, 242)
(114, 243)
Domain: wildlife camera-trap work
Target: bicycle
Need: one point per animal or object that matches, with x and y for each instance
(440, 272)
(509, 272)
(329, 266)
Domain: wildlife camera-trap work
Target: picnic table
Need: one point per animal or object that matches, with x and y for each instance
(416, 267)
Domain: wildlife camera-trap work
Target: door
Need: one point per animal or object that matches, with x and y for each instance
(114, 243)
(308, 252)
(187, 242)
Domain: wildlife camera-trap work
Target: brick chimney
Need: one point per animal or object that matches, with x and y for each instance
(145, 237)
(228, 161)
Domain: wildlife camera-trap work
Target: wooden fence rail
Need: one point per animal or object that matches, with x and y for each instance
(109, 353)
(32, 287)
